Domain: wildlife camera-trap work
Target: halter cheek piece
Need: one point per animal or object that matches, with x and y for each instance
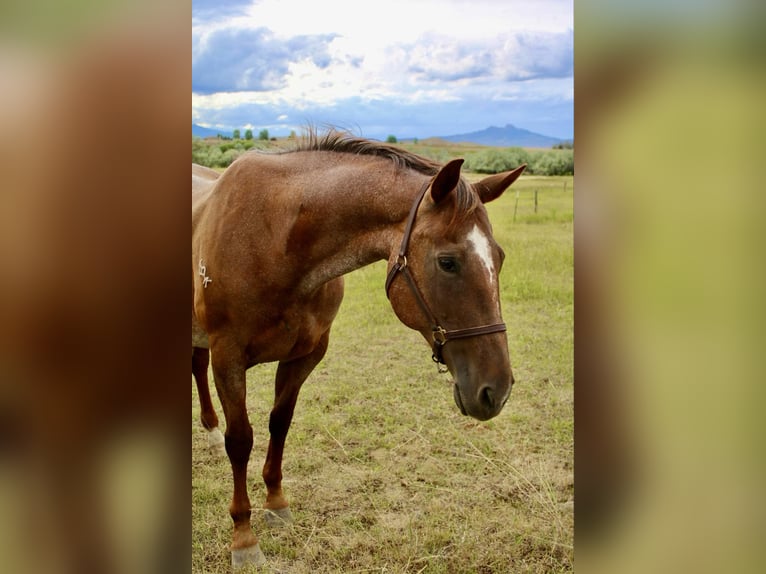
(440, 334)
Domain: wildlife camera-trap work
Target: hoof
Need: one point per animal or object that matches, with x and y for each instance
(279, 517)
(216, 442)
(251, 555)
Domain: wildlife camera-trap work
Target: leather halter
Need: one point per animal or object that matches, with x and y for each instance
(439, 333)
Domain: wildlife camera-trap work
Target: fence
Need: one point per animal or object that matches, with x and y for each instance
(534, 195)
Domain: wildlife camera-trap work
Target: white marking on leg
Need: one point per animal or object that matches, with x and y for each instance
(216, 441)
(481, 247)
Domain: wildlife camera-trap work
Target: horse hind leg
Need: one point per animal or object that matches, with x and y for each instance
(200, 362)
(289, 378)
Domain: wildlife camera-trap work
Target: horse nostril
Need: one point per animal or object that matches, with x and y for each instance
(487, 397)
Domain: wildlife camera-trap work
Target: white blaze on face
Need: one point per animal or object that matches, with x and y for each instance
(481, 247)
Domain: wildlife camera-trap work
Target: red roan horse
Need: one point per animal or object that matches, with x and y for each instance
(272, 238)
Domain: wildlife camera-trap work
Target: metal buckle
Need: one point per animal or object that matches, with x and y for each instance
(439, 360)
(440, 338)
(401, 261)
(439, 335)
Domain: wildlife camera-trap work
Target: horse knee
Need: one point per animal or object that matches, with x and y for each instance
(238, 446)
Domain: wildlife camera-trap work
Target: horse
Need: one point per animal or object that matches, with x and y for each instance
(272, 237)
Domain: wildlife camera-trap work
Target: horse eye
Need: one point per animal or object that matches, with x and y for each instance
(448, 264)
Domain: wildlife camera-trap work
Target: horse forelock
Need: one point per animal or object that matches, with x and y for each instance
(466, 199)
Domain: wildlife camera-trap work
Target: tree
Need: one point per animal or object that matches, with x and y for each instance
(236, 134)
(263, 135)
(391, 139)
(248, 134)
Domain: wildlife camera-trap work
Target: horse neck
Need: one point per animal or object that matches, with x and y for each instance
(364, 223)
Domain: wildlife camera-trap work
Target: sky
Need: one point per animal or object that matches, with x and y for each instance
(409, 68)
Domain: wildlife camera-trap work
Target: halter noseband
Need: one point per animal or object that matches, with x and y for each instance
(440, 334)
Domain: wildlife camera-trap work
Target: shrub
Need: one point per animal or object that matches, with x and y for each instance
(199, 151)
(497, 160)
(228, 157)
(214, 157)
(553, 163)
(558, 162)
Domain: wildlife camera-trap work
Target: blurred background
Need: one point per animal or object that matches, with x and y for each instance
(94, 402)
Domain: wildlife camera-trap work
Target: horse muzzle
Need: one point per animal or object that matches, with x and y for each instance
(484, 402)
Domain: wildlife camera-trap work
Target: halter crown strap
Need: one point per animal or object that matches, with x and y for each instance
(401, 259)
(440, 335)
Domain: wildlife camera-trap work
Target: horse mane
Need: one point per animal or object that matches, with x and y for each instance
(339, 141)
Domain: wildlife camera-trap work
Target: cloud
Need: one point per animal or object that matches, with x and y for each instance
(251, 59)
(448, 70)
(441, 59)
(538, 55)
(218, 9)
(510, 57)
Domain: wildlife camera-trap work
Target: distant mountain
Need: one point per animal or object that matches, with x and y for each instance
(201, 132)
(509, 136)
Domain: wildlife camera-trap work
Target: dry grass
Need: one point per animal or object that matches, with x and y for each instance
(383, 473)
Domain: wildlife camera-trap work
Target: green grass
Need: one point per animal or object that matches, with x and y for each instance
(383, 473)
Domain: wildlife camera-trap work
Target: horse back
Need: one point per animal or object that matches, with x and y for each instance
(203, 182)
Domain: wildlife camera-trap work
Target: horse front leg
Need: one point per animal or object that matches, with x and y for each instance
(200, 362)
(229, 373)
(289, 379)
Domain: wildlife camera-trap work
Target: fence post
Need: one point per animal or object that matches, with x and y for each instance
(516, 206)
(535, 201)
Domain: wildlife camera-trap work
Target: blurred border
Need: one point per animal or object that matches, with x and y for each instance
(669, 286)
(94, 403)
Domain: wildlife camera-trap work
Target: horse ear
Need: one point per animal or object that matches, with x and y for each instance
(446, 180)
(493, 186)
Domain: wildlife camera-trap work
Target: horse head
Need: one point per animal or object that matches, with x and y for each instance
(449, 289)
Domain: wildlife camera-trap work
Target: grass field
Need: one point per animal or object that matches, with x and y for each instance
(382, 472)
